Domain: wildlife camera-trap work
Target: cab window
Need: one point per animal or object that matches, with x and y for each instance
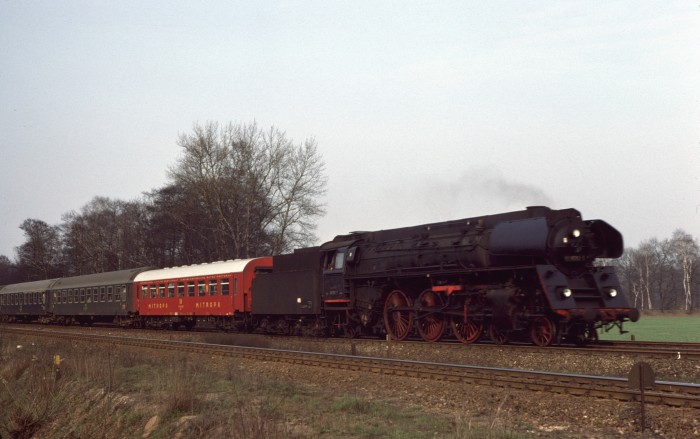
(335, 261)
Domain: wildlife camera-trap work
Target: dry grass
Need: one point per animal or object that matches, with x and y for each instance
(104, 392)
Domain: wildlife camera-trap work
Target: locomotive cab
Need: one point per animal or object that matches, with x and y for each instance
(334, 258)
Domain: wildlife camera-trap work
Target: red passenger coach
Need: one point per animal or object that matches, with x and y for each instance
(214, 295)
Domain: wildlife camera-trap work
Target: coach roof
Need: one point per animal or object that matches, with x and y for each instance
(28, 287)
(98, 279)
(198, 270)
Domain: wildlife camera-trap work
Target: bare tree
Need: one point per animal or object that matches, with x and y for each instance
(105, 235)
(629, 274)
(686, 253)
(40, 256)
(8, 271)
(259, 191)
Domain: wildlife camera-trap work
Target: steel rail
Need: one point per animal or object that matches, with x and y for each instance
(664, 392)
(647, 350)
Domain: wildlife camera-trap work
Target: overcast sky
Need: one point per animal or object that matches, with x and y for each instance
(423, 111)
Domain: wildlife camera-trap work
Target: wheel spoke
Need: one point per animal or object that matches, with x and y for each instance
(542, 331)
(464, 328)
(432, 325)
(397, 322)
(498, 335)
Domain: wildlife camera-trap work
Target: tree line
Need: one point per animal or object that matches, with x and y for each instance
(237, 191)
(662, 274)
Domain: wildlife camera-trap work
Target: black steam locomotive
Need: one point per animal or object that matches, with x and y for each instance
(528, 274)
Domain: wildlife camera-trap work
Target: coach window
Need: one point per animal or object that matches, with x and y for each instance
(144, 291)
(118, 293)
(95, 294)
(190, 288)
(152, 288)
(202, 288)
(161, 290)
(171, 289)
(224, 287)
(109, 294)
(102, 294)
(180, 289)
(212, 287)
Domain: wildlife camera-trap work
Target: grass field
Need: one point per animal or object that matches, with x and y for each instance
(128, 393)
(679, 328)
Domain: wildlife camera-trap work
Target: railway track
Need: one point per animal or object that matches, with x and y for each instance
(645, 350)
(642, 349)
(664, 392)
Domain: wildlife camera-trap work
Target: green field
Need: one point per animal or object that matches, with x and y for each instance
(679, 328)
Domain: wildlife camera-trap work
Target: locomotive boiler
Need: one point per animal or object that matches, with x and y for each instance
(533, 274)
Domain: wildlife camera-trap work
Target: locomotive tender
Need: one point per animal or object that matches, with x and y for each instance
(527, 274)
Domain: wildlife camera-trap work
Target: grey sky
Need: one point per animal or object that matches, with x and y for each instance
(423, 111)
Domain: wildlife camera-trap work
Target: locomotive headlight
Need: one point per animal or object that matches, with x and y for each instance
(298, 299)
(576, 233)
(566, 293)
(612, 292)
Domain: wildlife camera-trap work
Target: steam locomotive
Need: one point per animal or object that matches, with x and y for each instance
(528, 274)
(525, 275)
